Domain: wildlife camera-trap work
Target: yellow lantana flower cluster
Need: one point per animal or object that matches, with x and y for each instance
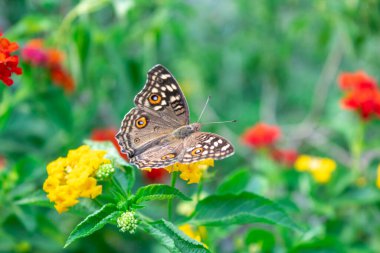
(196, 233)
(320, 168)
(191, 172)
(378, 177)
(73, 177)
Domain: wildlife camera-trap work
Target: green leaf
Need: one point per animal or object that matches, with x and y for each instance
(261, 237)
(93, 222)
(358, 196)
(235, 182)
(157, 192)
(220, 210)
(327, 244)
(112, 152)
(38, 199)
(172, 238)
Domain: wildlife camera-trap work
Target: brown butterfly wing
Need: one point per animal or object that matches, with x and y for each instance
(170, 104)
(159, 156)
(200, 146)
(162, 108)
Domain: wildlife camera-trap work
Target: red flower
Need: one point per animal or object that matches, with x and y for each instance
(359, 79)
(8, 62)
(55, 57)
(361, 94)
(62, 78)
(261, 135)
(35, 53)
(155, 175)
(286, 157)
(107, 134)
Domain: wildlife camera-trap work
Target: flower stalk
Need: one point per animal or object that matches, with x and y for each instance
(170, 201)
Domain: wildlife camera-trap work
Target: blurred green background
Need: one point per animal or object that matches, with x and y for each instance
(272, 61)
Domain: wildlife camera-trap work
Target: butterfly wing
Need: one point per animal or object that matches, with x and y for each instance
(161, 108)
(139, 129)
(200, 146)
(159, 156)
(163, 95)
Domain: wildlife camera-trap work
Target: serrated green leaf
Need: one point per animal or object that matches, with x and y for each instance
(93, 222)
(235, 182)
(172, 238)
(240, 208)
(158, 192)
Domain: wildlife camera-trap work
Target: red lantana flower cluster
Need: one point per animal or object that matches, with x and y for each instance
(361, 94)
(36, 54)
(264, 137)
(8, 62)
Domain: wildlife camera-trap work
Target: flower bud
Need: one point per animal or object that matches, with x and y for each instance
(104, 171)
(127, 222)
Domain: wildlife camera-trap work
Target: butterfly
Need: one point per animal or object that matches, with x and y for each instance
(156, 133)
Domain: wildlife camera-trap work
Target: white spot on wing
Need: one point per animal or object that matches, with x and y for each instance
(169, 88)
(225, 147)
(209, 140)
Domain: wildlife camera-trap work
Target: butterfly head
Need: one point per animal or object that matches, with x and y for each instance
(196, 127)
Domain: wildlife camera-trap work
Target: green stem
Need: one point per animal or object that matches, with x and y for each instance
(98, 202)
(170, 202)
(199, 189)
(118, 187)
(357, 148)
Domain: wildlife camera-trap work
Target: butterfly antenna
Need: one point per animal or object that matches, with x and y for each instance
(220, 122)
(204, 108)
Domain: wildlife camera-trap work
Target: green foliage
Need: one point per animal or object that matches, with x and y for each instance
(157, 192)
(235, 182)
(95, 221)
(172, 238)
(262, 61)
(221, 210)
(263, 238)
